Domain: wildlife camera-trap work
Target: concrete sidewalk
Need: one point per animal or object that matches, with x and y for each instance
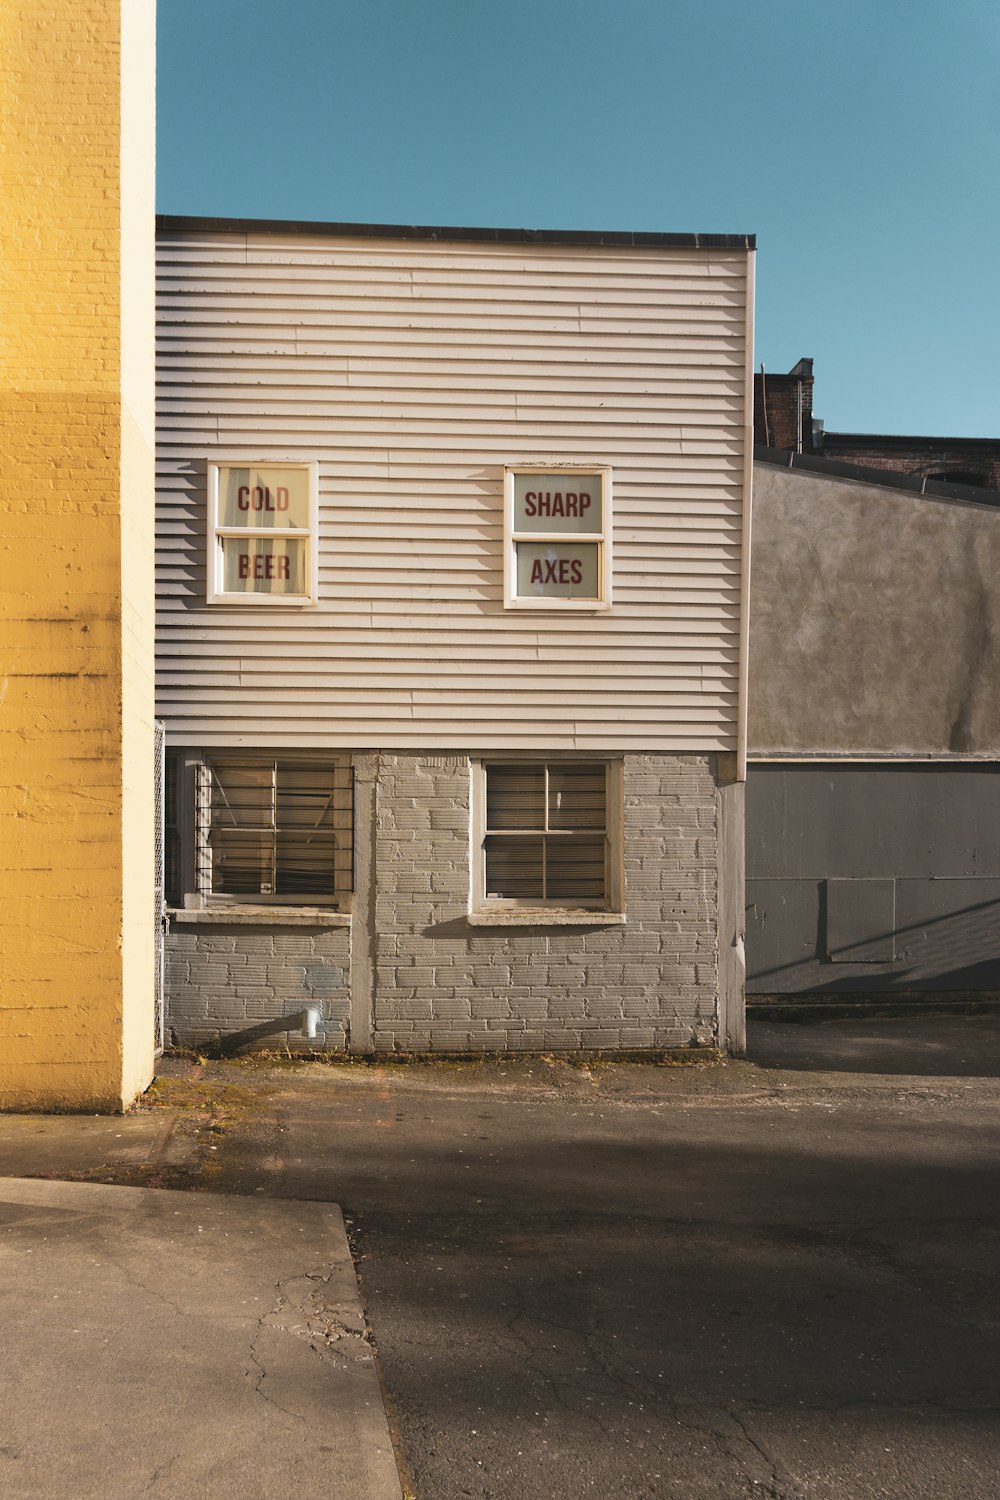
(177, 1344)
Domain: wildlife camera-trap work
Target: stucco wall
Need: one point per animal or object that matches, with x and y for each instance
(76, 734)
(874, 620)
(138, 543)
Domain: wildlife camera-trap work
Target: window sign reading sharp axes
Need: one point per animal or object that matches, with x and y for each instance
(558, 538)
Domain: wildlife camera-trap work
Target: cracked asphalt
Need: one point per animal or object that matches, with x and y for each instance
(774, 1278)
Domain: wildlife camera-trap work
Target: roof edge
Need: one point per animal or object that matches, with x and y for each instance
(906, 440)
(634, 239)
(833, 468)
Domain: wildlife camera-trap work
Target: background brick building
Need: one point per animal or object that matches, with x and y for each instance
(783, 418)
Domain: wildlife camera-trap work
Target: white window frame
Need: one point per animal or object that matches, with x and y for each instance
(216, 593)
(512, 600)
(613, 904)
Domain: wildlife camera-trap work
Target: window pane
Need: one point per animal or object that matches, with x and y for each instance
(263, 565)
(280, 828)
(557, 570)
(515, 797)
(306, 838)
(241, 796)
(558, 502)
(242, 862)
(171, 834)
(305, 862)
(271, 495)
(305, 796)
(576, 796)
(575, 869)
(514, 868)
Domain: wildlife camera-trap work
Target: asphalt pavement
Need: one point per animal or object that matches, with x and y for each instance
(769, 1278)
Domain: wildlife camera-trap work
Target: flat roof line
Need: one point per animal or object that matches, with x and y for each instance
(836, 468)
(907, 440)
(637, 239)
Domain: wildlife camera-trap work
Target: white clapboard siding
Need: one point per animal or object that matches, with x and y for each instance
(413, 370)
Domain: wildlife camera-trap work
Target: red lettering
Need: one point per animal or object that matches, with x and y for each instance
(536, 571)
(283, 568)
(563, 571)
(243, 497)
(244, 565)
(282, 498)
(258, 497)
(550, 570)
(576, 571)
(556, 502)
(258, 567)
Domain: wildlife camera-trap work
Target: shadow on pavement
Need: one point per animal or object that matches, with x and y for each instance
(950, 1046)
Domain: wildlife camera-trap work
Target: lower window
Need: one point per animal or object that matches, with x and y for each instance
(262, 829)
(549, 834)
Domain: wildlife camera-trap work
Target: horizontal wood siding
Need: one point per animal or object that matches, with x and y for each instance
(413, 372)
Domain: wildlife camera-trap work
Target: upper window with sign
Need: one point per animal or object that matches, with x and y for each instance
(262, 533)
(558, 538)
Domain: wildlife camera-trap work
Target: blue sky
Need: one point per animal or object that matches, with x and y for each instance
(858, 139)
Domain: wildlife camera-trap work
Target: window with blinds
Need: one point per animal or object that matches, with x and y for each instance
(545, 834)
(275, 830)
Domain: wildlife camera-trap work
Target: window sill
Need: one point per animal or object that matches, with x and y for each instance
(258, 916)
(545, 917)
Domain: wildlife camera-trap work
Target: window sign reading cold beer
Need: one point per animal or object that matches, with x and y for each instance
(263, 532)
(264, 498)
(558, 538)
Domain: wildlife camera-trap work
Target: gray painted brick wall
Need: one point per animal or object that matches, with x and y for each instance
(443, 985)
(235, 981)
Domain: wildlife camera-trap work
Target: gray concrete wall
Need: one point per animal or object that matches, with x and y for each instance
(874, 619)
(865, 878)
(412, 974)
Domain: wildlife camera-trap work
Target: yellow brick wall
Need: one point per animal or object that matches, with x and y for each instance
(75, 701)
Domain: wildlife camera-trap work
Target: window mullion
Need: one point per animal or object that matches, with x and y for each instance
(274, 828)
(545, 841)
(203, 817)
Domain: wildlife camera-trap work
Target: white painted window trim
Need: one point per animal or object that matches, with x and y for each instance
(603, 539)
(493, 912)
(215, 533)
